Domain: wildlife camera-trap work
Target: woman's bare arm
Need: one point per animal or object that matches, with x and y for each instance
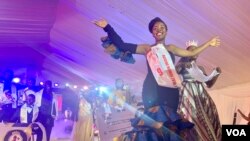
(244, 116)
(214, 42)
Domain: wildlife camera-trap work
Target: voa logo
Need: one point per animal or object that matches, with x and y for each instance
(236, 132)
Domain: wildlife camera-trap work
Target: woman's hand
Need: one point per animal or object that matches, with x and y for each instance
(218, 69)
(215, 42)
(101, 23)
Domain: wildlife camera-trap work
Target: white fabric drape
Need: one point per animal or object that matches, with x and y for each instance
(229, 99)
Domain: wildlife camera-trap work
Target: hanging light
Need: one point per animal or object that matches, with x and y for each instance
(56, 84)
(67, 84)
(41, 83)
(85, 87)
(16, 80)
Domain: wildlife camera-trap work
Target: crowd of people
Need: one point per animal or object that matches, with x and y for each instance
(27, 103)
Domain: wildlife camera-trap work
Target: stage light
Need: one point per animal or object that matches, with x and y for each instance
(85, 87)
(75, 86)
(56, 84)
(102, 89)
(16, 80)
(67, 84)
(41, 83)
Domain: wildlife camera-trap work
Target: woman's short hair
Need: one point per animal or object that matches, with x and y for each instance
(155, 20)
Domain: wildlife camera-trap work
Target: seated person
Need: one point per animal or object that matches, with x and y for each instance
(28, 113)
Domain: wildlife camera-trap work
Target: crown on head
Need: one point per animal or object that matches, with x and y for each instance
(192, 43)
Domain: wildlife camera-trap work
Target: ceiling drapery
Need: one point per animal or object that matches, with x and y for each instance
(61, 34)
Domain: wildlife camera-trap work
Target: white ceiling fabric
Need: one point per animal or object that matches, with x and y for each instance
(75, 37)
(60, 38)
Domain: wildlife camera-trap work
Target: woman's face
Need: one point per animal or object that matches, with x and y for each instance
(159, 31)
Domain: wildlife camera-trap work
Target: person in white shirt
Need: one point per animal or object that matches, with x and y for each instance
(29, 111)
(7, 100)
(8, 96)
(30, 88)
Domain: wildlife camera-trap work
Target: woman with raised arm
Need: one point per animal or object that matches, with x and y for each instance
(195, 103)
(244, 116)
(160, 102)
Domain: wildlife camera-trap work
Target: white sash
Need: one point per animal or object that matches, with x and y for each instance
(162, 67)
(24, 112)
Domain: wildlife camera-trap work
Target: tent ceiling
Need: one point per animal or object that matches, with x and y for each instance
(59, 37)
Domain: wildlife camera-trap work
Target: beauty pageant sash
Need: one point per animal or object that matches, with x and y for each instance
(162, 67)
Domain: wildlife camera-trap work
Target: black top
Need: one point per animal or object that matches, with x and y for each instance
(47, 106)
(152, 93)
(46, 110)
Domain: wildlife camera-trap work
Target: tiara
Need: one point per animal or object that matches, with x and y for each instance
(192, 43)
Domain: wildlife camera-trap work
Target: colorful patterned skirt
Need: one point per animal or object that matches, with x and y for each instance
(146, 126)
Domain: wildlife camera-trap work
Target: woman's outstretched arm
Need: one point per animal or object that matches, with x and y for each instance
(117, 40)
(244, 116)
(214, 42)
(211, 82)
